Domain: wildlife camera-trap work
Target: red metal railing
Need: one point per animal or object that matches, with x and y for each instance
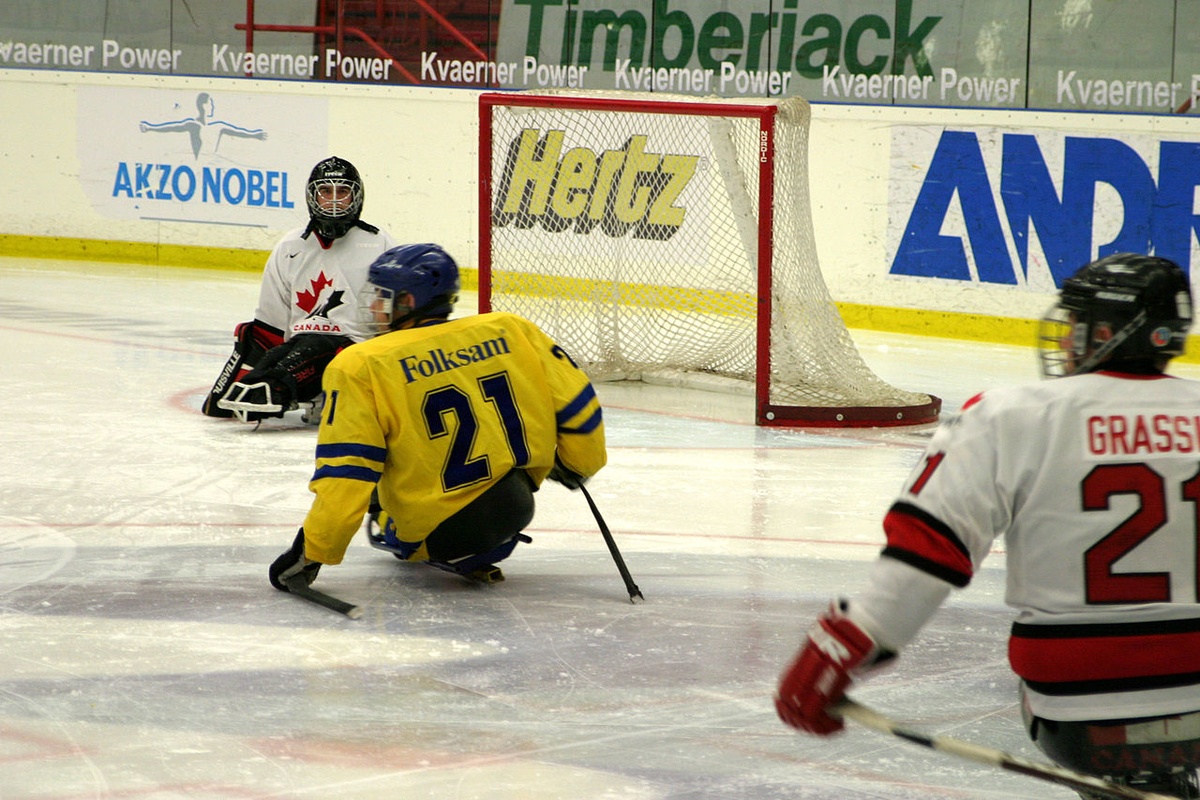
(340, 30)
(449, 28)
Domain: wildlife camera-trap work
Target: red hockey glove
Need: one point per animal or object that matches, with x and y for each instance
(817, 678)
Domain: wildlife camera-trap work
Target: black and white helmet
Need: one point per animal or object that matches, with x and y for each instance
(334, 195)
(1122, 310)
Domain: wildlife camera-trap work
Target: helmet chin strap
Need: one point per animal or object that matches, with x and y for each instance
(358, 223)
(1101, 353)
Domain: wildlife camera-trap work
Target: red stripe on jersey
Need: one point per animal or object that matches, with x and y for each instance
(931, 545)
(1099, 658)
(971, 401)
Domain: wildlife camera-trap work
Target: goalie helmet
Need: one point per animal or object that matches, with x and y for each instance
(334, 195)
(1124, 309)
(424, 271)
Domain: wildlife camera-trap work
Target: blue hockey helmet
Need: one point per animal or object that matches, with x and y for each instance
(426, 272)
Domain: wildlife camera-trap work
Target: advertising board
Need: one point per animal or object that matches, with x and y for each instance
(1015, 54)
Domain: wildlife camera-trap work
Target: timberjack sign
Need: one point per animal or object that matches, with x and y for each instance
(705, 47)
(965, 55)
(678, 32)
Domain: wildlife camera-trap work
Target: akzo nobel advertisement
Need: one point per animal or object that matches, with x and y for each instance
(192, 155)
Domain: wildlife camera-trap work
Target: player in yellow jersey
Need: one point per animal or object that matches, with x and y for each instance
(441, 429)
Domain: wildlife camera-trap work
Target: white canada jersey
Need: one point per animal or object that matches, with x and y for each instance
(1094, 481)
(307, 288)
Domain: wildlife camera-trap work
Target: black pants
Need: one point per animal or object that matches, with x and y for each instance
(493, 518)
(1102, 747)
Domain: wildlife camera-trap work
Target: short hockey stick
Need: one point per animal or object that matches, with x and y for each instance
(630, 586)
(298, 586)
(1079, 781)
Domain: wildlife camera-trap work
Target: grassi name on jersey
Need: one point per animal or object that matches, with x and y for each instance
(1141, 435)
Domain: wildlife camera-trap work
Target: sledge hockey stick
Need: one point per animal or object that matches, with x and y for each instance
(299, 587)
(1052, 773)
(630, 586)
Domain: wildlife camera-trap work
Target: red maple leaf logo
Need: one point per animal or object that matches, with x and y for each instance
(308, 300)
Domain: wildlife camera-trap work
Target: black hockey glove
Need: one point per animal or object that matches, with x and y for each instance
(292, 563)
(567, 477)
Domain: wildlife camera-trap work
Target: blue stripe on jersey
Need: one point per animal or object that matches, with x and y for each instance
(588, 426)
(575, 406)
(340, 450)
(364, 474)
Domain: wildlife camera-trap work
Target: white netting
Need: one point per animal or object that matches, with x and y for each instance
(632, 238)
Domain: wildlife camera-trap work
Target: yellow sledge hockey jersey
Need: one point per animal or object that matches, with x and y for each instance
(434, 415)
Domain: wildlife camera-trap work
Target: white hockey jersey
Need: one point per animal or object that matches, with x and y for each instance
(307, 288)
(1094, 481)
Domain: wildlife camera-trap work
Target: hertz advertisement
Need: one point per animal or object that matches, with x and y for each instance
(627, 191)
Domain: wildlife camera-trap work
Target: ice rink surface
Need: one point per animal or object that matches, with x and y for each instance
(143, 655)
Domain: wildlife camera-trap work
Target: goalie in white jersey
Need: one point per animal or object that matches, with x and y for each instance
(308, 304)
(1094, 481)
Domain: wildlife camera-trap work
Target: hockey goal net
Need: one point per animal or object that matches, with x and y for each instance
(668, 239)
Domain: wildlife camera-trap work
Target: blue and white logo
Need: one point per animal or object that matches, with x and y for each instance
(198, 156)
(1002, 207)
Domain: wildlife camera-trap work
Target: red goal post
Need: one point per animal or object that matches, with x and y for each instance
(669, 239)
